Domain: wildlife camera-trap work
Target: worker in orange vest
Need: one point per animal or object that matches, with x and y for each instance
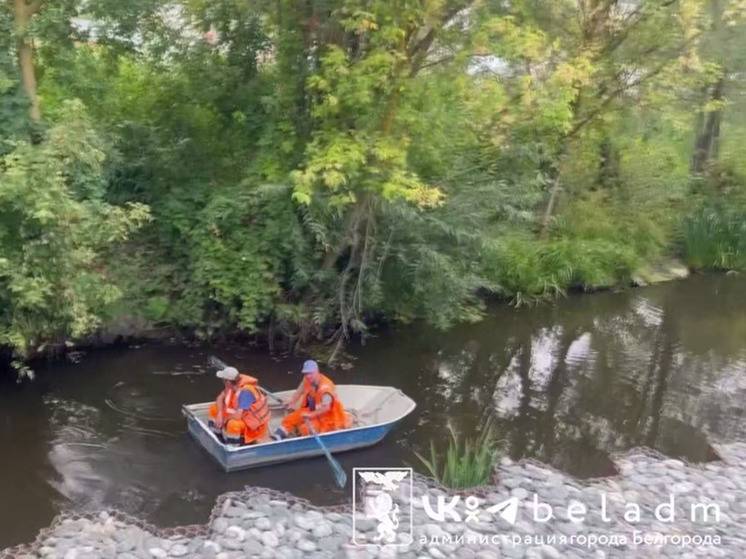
(316, 400)
(240, 414)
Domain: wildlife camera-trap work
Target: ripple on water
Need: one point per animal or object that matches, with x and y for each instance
(649, 312)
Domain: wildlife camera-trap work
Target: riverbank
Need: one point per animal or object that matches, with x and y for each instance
(126, 329)
(264, 523)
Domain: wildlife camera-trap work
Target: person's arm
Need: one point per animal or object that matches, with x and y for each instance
(219, 402)
(294, 402)
(326, 404)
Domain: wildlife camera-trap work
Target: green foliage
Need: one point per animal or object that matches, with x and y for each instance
(236, 283)
(528, 270)
(466, 462)
(714, 238)
(55, 229)
(311, 167)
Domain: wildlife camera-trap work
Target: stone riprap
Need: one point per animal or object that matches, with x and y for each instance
(262, 523)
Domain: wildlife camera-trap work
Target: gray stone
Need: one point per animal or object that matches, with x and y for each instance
(220, 525)
(682, 487)
(263, 523)
(178, 550)
(322, 530)
(550, 552)
(434, 531)
(158, 552)
(331, 543)
(125, 545)
(270, 539)
(232, 543)
(303, 522)
(365, 524)
(520, 493)
(306, 545)
(512, 551)
(233, 512)
(293, 535)
(236, 532)
(253, 547)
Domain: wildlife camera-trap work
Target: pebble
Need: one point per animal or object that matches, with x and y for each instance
(306, 545)
(520, 493)
(322, 530)
(254, 547)
(549, 552)
(263, 523)
(303, 522)
(270, 539)
(178, 550)
(236, 532)
(220, 525)
(251, 525)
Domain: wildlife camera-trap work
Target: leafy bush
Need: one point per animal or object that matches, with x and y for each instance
(466, 463)
(55, 232)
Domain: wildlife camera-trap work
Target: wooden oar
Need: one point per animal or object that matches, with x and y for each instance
(220, 364)
(339, 474)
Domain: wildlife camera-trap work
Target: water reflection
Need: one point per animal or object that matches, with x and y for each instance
(572, 383)
(567, 384)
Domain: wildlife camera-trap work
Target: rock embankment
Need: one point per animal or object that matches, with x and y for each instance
(656, 507)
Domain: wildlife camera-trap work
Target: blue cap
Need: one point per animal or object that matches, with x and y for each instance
(310, 366)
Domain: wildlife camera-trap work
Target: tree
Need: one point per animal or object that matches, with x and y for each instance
(55, 229)
(355, 164)
(722, 63)
(577, 62)
(23, 11)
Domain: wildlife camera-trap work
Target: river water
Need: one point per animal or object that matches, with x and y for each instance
(568, 383)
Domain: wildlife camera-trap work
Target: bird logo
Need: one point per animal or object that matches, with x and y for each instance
(389, 480)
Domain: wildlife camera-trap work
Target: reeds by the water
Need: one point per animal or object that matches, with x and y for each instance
(467, 462)
(715, 239)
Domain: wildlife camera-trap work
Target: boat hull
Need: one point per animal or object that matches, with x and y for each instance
(284, 451)
(362, 435)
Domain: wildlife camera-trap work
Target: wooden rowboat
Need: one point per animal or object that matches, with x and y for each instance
(375, 410)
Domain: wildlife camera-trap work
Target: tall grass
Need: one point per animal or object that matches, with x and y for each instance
(715, 239)
(528, 269)
(466, 463)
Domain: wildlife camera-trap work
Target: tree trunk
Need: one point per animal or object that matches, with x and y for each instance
(553, 195)
(707, 142)
(22, 16)
(608, 165)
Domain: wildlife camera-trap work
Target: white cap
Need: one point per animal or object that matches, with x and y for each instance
(229, 373)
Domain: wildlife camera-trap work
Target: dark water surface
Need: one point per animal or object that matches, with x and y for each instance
(567, 383)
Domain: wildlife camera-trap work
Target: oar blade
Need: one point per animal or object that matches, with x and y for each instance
(339, 475)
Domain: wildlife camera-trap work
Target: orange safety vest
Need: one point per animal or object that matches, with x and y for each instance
(258, 414)
(335, 417)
